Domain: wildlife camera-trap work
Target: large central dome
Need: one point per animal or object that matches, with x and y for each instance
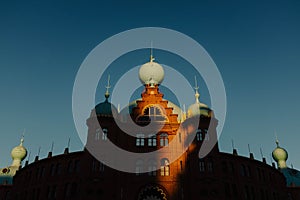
(151, 73)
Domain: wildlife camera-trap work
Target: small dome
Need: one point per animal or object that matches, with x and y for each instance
(105, 108)
(19, 152)
(199, 109)
(151, 73)
(280, 154)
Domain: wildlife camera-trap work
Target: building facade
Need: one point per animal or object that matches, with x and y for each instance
(218, 175)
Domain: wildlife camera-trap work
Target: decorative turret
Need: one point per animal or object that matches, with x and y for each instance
(198, 108)
(18, 154)
(106, 108)
(280, 155)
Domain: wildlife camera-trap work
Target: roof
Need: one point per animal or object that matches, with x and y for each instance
(292, 176)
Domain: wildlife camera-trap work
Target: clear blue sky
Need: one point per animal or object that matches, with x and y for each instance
(256, 46)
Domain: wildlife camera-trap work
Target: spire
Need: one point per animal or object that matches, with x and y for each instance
(276, 139)
(151, 53)
(107, 87)
(197, 95)
(22, 138)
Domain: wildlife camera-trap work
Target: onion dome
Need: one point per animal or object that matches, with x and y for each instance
(198, 108)
(106, 108)
(18, 154)
(151, 73)
(280, 155)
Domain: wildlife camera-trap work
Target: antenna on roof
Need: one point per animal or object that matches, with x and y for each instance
(69, 141)
(261, 153)
(38, 154)
(271, 158)
(251, 154)
(39, 151)
(29, 155)
(52, 146)
(234, 151)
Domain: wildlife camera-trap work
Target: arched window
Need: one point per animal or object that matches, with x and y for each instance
(164, 167)
(164, 141)
(97, 134)
(139, 167)
(210, 166)
(206, 135)
(152, 141)
(154, 113)
(201, 165)
(152, 168)
(104, 134)
(199, 135)
(140, 140)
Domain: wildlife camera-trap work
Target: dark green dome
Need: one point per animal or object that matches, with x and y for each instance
(105, 108)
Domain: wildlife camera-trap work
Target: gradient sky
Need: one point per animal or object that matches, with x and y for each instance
(256, 46)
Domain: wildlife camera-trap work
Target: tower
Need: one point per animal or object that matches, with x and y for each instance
(280, 155)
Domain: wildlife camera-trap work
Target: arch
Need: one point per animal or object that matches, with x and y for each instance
(152, 112)
(152, 192)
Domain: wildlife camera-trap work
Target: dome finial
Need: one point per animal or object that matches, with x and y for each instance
(197, 95)
(107, 87)
(151, 53)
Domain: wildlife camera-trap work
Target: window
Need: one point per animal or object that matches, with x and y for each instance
(206, 134)
(67, 190)
(155, 113)
(70, 190)
(97, 134)
(51, 192)
(164, 167)
(77, 166)
(164, 141)
(201, 166)
(138, 167)
(224, 167)
(210, 166)
(70, 167)
(140, 140)
(243, 170)
(101, 167)
(40, 172)
(104, 134)
(152, 141)
(152, 168)
(227, 189)
(97, 166)
(199, 135)
(58, 168)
